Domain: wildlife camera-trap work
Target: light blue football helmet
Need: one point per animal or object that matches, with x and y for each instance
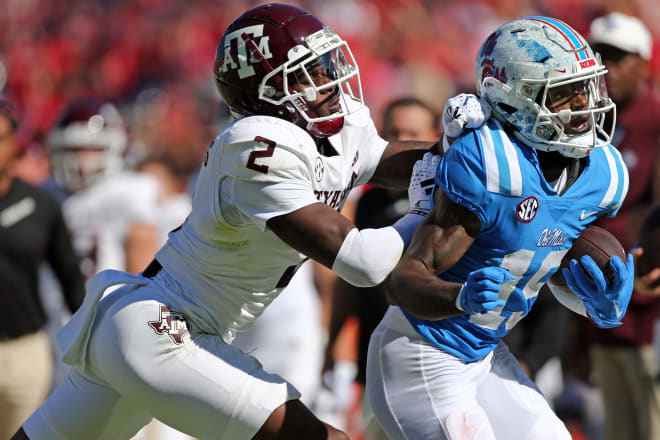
(523, 61)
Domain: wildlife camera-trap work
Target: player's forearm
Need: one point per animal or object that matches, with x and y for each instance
(421, 293)
(397, 162)
(414, 285)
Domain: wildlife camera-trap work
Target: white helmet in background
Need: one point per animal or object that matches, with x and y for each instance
(526, 64)
(87, 143)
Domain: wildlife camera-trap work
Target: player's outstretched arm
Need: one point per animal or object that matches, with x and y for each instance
(333, 240)
(439, 242)
(361, 257)
(398, 160)
(315, 230)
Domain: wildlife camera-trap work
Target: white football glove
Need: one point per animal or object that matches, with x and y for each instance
(464, 111)
(420, 191)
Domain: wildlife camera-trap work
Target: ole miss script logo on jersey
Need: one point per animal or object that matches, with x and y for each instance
(526, 210)
(172, 323)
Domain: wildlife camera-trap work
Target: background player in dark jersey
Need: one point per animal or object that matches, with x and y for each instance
(32, 231)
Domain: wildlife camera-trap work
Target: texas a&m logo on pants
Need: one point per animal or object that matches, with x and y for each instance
(172, 323)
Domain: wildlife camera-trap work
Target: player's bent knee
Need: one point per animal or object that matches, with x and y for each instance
(293, 420)
(20, 435)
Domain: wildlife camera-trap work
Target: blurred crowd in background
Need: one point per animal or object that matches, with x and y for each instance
(153, 59)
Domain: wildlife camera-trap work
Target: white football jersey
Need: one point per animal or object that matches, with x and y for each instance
(257, 168)
(99, 217)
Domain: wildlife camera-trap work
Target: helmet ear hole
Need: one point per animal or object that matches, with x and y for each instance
(269, 91)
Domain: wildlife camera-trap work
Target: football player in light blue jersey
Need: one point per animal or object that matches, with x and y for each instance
(510, 198)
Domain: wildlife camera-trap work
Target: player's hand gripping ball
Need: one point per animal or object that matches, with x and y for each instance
(594, 270)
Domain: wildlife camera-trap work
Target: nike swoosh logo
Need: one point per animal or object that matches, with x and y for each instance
(616, 309)
(585, 215)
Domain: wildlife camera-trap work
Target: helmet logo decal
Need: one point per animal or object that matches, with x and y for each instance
(489, 45)
(526, 210)
(487, 63)
(490, 70)
(242, 61)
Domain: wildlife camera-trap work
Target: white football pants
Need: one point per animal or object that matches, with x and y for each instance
(420, 392)
(140, 364)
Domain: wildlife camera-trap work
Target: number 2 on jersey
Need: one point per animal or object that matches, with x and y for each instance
(254, 155)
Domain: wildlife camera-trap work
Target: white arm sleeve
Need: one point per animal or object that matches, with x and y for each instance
(366, 257)
(568, 299)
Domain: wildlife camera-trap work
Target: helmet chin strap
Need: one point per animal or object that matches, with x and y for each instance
(325, 128)
(319, 129)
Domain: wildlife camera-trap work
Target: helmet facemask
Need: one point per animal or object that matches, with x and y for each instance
(567, 128)
(79, 168)
(317, 82)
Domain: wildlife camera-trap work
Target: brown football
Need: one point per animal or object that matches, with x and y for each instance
(599, 245)
(649, 240)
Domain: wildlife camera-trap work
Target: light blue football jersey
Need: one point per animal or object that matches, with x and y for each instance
(526, 227)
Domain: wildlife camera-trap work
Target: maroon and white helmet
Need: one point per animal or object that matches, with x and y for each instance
(87, 143)
(269, 48)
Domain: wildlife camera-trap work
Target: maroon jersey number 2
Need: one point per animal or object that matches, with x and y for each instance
(251, 164)
(254, 155)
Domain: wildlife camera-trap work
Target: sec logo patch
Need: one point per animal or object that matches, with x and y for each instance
(319, 169)
(526, 210)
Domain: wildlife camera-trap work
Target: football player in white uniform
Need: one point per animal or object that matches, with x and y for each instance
(268, 197)
(118, 217)
(111, 211)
